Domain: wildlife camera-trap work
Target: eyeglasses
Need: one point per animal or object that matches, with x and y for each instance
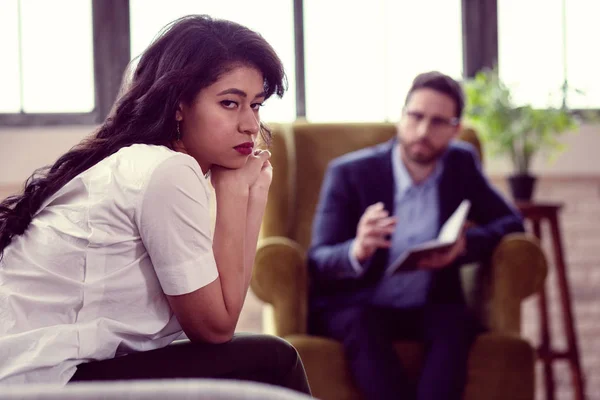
(415, 118)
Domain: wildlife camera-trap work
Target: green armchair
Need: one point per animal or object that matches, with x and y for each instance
(501, 363)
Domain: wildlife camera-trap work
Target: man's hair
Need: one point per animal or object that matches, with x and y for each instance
(441, 83)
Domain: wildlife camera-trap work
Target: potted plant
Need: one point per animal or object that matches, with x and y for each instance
(519, 132)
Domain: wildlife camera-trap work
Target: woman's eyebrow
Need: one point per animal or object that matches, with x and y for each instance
(239, 92)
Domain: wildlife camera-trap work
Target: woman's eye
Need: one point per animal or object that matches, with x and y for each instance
(229, 104)
(257, 106)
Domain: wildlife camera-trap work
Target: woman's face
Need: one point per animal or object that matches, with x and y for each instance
(222, 123)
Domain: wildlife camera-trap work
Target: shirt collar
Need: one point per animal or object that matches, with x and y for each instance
(402, 178)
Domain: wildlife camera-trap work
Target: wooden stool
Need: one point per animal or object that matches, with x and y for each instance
(536, 213)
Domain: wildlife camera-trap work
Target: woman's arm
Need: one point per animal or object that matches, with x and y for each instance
(236, 236)
(257, 203)
(210, 314)
(239, 212)
(208, 311)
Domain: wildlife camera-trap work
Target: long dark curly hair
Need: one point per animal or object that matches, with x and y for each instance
(188, 55)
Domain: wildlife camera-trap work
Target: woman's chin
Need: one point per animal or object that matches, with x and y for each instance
(237, 163)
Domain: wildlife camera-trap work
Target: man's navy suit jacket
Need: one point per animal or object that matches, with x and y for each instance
(359, 179)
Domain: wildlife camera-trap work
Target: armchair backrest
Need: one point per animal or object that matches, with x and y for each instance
(300, 154)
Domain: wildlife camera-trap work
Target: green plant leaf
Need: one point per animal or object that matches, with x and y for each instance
(519, 132)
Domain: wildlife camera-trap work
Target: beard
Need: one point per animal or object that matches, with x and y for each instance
(415, 153)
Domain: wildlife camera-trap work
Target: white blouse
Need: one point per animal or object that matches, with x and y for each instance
(87, 279)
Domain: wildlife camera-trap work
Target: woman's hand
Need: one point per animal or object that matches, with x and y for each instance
(261, 185)
(243, 178)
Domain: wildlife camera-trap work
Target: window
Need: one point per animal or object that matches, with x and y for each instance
(582, 61)
(538, 51)
(273, 19)
(360, 62)
(10, 78)
(47, 50)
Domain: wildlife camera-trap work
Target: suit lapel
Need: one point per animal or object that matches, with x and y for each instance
(381, 187)
(445, 196)
(385, 185)
(451, 191)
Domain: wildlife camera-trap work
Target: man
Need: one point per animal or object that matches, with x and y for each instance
(377, 202)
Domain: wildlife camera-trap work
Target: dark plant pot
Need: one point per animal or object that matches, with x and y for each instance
(522, 186)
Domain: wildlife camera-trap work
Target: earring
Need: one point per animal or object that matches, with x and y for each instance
(178, 132)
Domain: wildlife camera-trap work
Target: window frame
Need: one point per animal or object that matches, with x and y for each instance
(111, 44)
(110, 33)
(480, 35)
(480, 45)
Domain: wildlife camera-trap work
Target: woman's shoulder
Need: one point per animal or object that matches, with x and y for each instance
(131, 168)
(145, 163)
(144, 159)
(152, 154)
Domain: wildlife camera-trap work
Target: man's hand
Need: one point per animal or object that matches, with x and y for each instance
(373, 229)
(445, 258)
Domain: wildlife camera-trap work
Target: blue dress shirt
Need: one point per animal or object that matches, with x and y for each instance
(416, 207)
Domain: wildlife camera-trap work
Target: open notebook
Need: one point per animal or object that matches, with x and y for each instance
(447, 237)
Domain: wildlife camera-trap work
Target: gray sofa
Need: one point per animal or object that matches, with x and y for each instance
(173, 389)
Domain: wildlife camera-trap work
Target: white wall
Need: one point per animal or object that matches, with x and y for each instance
(580, 158)
(22, 150)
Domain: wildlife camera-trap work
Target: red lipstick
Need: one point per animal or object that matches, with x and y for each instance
(245, 148)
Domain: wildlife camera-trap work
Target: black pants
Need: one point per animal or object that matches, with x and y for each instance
(368, 333)
(259, 358)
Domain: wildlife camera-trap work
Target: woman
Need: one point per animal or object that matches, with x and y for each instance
(108, 254)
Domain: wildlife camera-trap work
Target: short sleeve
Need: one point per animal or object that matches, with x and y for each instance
(175, 226)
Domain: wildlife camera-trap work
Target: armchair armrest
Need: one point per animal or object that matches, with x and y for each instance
(519, 270)
(280, 279)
